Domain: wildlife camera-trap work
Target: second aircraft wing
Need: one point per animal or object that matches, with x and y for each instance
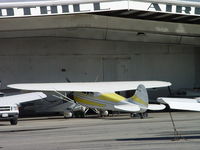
(21, 98)
(181, 103)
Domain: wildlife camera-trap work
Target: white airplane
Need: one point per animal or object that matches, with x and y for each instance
(9, 105)
(181, 103)
(101, 95)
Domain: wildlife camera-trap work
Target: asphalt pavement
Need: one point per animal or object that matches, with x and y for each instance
(110, 133)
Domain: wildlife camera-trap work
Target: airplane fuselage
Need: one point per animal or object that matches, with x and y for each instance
(103, 101)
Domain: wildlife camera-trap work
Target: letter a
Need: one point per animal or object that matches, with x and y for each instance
(154, 6)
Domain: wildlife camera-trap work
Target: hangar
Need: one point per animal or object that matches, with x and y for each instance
(100, 40)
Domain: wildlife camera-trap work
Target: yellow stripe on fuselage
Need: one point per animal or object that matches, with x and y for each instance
(87, 102)
(112, 97)
(138, 100)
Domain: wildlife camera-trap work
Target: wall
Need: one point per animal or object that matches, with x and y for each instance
(51, 59)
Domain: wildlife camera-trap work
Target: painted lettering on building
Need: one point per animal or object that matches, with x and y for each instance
(90, 7)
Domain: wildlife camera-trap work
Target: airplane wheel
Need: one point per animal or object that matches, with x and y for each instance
(143, 115)
(131, 115)
(68, 115)
(135, 115)
(104, 113)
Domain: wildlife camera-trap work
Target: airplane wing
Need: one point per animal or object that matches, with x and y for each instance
(156, 107)
(181, 103)
(17, 99)
(101, 87)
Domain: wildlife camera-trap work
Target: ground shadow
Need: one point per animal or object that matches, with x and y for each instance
(5, 124)
(158, 138)
(28, 130)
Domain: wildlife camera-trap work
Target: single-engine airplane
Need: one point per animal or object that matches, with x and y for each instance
(102, 96)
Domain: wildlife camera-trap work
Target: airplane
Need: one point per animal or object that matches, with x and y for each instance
(9, 105)
(181, 103)
(102, 96)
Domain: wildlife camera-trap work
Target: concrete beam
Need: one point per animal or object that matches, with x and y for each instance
(100, 27)
(95, 21)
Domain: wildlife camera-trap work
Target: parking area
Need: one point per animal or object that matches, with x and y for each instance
(117, 132)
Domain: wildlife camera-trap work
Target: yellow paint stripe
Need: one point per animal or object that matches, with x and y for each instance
(137, 99)
(87, 102)
(113, 97)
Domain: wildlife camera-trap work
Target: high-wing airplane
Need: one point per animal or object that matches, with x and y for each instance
(181, 103)
(9, 105)
(102, 95)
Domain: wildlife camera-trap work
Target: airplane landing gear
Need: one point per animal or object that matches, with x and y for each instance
(139, 115)
(75, 114)
(79, 114)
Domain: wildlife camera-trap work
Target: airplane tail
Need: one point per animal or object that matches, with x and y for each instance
(140, 98)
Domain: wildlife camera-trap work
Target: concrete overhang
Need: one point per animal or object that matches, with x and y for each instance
(89, 26)
(158, 10)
